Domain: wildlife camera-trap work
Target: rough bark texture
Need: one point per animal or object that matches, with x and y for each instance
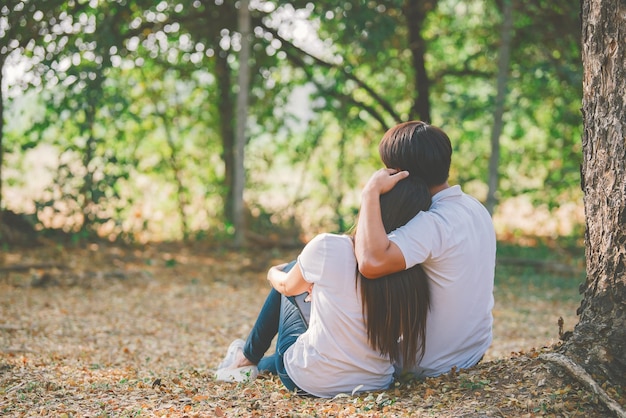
(599, 339)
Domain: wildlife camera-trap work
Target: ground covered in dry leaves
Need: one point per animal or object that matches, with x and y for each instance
(126, 332)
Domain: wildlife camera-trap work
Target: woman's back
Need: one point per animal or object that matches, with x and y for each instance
(334, 356)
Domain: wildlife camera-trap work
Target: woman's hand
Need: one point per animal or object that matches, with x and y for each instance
(309, 297)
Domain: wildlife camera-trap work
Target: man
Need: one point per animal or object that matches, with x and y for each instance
(454, 241)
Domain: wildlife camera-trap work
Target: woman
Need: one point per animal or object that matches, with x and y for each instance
(355, 324)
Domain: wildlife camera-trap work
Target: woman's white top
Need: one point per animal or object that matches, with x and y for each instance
(333, 356)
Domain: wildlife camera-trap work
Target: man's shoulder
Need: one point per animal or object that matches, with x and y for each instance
(458, 200)
(453, 215)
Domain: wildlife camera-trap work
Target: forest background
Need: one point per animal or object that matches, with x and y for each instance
(122, 123)
(120, 117)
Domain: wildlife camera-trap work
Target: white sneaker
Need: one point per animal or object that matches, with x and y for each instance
(231, 354)
(241, 375)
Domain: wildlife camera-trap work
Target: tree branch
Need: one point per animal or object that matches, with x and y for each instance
(297, 59)
(349, 76)
(27, 267)
(582, 376)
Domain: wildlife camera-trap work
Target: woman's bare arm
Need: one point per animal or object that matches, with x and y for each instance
(289, 283)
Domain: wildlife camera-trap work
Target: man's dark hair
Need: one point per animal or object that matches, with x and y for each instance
(423, 150)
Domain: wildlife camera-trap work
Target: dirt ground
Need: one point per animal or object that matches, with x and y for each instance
(109, 331)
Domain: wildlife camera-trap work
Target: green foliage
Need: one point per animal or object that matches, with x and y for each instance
(540, 147)
(138, 103)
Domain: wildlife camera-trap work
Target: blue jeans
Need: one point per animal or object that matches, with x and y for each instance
(278, 316)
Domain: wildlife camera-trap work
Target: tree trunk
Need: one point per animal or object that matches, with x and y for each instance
(177, 168)
(242, 116)
(503, 71)
(225, 106)
(1, 141)
(598, 342)
(86, 193)
(416, 11)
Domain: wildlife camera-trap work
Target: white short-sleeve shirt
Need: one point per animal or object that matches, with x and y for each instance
(455, 243)
(333, 356)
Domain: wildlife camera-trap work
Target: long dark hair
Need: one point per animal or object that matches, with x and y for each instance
(396, 306)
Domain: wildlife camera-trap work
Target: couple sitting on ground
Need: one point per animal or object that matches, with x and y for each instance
(410, 292)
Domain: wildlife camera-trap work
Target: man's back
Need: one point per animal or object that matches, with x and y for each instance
(455, 243)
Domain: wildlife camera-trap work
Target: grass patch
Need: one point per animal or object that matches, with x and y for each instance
(535, 286)
(541, 272)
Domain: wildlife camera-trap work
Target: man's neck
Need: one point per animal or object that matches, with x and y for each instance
(437, 188)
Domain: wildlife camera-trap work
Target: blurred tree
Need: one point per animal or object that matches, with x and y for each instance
(243, 79)
(23, 24)
(545, 104)
(212, 28)
(539, 153)
(80, 100)
(362, 56)
(504, 55)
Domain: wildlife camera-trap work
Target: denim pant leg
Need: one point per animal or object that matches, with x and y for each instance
(263, 332)
(291, 326)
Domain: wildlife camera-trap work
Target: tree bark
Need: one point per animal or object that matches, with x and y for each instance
(598, 342)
